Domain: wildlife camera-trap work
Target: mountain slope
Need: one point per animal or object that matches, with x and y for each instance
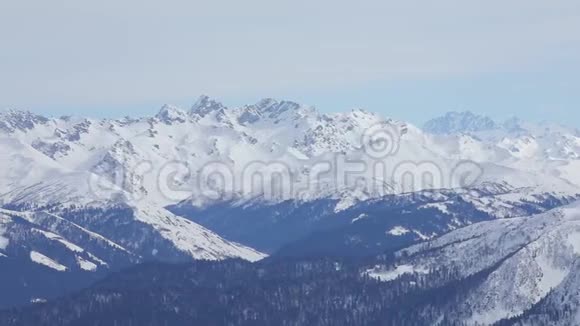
(524, 260)
(477, 275)
(560, 307)
(384, 225)
(325, 226)
(41, 257)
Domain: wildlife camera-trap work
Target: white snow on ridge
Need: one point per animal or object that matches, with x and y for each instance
(423, 236)
(4, 221)
(398, 231)
(97, 259)
(442, 207)
(82, 263)
(192, 238)
(46, 261)
(49, 235)
(358, 218)
(31, 218)
(186, 236)
(551, 275)
(344, 204)
(390, 275)
(86, 265)
(574, 241)
(3, 240)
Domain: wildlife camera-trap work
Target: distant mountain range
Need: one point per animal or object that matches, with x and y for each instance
(81, 198)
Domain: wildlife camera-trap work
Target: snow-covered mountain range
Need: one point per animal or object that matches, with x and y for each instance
(163, 159)
(83, 195)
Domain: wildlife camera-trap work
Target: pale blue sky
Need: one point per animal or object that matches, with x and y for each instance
(405, 59)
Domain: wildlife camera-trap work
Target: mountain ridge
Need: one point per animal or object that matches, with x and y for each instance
(121, 178)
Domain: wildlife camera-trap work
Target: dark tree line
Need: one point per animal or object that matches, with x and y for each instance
(300, 292)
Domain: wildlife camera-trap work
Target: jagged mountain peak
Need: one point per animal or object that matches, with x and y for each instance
(274, 110)
(459, 122)
(13, 119)
(271, 108)
(170, 113)
(17, 113)
(271, 104)
(357, 114)
(205, 105)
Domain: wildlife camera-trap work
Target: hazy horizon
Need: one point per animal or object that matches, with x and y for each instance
(410, 60)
